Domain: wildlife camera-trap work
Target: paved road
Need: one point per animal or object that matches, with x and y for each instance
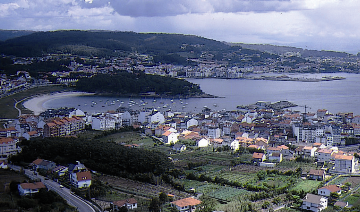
(80, 204)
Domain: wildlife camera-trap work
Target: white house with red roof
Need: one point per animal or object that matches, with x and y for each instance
(81, 179)
(170, 137)
(186, 205)
(30, 188)
(258, 157)
(327, 190)
(128, 203)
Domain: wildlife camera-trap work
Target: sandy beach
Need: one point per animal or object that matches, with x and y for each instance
(36, 104)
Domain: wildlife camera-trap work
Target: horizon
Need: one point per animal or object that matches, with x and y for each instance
(308, 24)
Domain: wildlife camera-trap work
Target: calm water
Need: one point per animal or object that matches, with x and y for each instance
(335, 96)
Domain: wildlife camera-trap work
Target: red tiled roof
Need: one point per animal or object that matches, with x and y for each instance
(317, 172)
(81, 176)
(6, 140)
(37, 161)
(186, 202)
(331, 188)
(121, 203)
(35, 185)
(257, 155)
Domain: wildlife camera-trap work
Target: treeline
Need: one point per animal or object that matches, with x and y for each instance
(106, 157)
(124, 83)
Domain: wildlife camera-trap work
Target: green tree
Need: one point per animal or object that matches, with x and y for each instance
(163, 198)
(261, 174)
(154, 205)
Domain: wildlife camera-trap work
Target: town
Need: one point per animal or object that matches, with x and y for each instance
(259, 157)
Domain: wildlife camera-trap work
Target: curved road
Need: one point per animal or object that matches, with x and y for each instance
(79, 203)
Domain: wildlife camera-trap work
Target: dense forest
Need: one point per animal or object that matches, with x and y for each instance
(124, 83)
(105, 157)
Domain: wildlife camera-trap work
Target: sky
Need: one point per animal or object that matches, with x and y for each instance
(309, 24)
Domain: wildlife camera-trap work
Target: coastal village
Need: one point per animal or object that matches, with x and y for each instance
(272, 135)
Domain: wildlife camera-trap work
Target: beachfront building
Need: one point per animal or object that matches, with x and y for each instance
(60, 127)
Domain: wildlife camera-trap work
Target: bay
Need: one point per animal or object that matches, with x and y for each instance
(335, 96)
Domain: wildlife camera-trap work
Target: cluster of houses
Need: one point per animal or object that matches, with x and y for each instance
(78, 175)
(319, 202)
(315, 135)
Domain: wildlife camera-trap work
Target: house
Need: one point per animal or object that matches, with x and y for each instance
(327, 190)
(170, 137)
(309, 151)
(324, 155)
(30, 188)
(276, 157)
(314, 203)
(186, 205)
(128, 203)
(81, 179)
(344, 163)
(235, 145)
(258, 157)
(316, 174)
(43, 164)
(203, 142)
(179, 147)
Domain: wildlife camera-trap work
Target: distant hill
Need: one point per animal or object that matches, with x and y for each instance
(284, 49)
(105, 43)
(8, 34)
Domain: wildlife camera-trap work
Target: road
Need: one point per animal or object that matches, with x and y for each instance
(79, 203)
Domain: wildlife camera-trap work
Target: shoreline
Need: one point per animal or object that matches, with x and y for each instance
(35, 103)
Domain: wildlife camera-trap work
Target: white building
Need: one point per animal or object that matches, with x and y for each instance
(8, 147)
(203, 142)
(157, 117)
(314, 203)
(214, 132)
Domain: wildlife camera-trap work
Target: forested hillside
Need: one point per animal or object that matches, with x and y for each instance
(124, 83)
(109, 158)
(104, 43)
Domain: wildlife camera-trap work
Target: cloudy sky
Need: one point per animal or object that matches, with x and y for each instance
(311, 24)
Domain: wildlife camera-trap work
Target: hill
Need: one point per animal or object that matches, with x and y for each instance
(104, 43)
(9, 34)
(284, 49)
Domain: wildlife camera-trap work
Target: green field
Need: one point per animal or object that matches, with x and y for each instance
(306, 185)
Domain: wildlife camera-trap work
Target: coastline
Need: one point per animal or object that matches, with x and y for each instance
(35, 103)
